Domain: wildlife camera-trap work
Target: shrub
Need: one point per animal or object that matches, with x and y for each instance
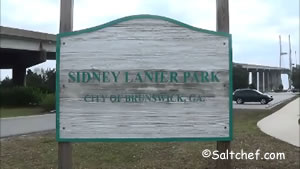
(280, 87)
(295, 76)
(48, 102)
(20, 96)
(240, 77)
(7, 82)
(251, 86)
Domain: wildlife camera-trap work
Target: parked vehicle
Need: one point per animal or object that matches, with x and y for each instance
(251, 95)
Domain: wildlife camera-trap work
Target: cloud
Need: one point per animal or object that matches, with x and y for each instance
(89, 13)
(35, 15)
(200, 13)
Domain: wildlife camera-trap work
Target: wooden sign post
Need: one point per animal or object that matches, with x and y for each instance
(142, 78)
(223, 26)
(66, 25)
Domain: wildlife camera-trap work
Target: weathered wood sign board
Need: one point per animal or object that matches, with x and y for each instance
(144, 78)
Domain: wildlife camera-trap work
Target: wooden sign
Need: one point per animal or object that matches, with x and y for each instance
(144, 78)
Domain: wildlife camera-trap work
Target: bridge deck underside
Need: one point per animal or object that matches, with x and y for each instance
(19, 60)
(11, 58)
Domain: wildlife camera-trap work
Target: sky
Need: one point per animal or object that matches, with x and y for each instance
(255, 25)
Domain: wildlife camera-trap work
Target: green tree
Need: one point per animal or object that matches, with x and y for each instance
(296, 77)
(252, 86)
(240, 77)
(7, 82)
(280, 87)
(50, 80)
(45, 80)
(33, 79)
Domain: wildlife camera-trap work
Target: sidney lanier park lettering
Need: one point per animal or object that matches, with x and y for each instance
(138, 77)
(144, 78)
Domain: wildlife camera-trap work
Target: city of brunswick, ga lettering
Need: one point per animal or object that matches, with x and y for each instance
(142, 77)
(140, 98)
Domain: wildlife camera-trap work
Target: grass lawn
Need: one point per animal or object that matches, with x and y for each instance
(20, 111)
(40, 151)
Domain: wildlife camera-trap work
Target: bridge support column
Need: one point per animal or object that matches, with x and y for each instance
(254, 78)
(257, 78)
(272, 83)
(268, 88)
(19, 72)
(249, 76)
(263, 81)
(279, 81)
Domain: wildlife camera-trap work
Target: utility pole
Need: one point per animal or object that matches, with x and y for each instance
(223, 26)
(66, 25)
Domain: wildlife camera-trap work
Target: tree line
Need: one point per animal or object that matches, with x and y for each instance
(43, 80)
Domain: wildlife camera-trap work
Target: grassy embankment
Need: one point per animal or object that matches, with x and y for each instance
(20, 111)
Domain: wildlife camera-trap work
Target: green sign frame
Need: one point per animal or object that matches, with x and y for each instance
(58, 43)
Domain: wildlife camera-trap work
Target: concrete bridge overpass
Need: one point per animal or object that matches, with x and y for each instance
(265, 78)
(21, 49)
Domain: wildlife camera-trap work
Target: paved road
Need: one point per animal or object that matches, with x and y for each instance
(26, 124)
(283, 124)
(278, 98)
